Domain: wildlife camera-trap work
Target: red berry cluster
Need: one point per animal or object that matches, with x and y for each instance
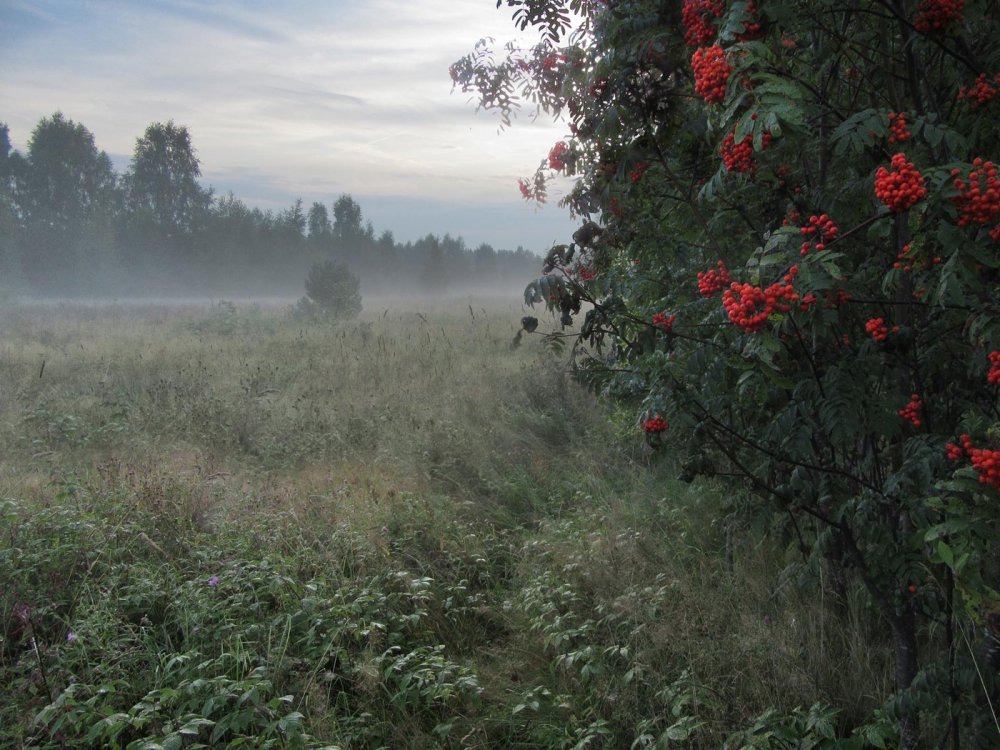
(810, 299)
(660, 320)
(879, 329)
(898, 132)
(900, 188)
(699, 17)
(654, 425)
(552, 60)
(807, 302)
(783, 172)
(978, 200)
(981, 92)
(557, 156)
(902, 261)
(987, 465)
(586, 274)
(986, 462)
(750, 306)
(712, 281)
(911, 412)
(640, 169)
(936, 15)
(738, 157)
(525, 189)
(993, 376)
(836, 298)
(822, 226)
(905, 262)
(752, 30)
(711, 73)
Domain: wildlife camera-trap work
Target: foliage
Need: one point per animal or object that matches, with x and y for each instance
(788, 254)
(70, 225)
(161, 187)
(332, 290)
(64, 192)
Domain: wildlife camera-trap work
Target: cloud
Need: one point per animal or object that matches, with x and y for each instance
(218, 18)
(282, 99)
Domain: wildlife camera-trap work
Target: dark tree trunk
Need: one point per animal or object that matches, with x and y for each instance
(904, 633)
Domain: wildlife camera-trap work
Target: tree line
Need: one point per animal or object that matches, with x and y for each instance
(71, 225)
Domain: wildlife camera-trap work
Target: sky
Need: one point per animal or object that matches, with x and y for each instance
(294, 100)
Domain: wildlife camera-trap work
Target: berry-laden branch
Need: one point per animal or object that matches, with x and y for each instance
(817, 361)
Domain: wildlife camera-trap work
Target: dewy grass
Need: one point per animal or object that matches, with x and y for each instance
(232, 527)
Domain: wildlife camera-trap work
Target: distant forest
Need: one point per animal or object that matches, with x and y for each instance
(70, 225)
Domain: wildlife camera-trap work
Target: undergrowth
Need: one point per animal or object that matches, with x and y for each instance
(236, 529)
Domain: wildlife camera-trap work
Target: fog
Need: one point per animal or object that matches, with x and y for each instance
(71, 227)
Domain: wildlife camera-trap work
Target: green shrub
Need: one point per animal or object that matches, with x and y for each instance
(331, 289)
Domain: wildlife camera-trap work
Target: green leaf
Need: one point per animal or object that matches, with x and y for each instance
(944, 552)
(193, 726)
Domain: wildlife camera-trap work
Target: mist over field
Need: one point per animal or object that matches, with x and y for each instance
(72, 227)
(375, 527)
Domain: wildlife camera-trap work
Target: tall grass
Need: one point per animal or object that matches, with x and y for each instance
(230, 527)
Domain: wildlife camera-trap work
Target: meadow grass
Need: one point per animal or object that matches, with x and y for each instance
(229, 527)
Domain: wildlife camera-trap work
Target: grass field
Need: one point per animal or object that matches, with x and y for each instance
(221, 526)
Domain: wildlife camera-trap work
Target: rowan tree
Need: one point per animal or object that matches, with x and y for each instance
(788, 262)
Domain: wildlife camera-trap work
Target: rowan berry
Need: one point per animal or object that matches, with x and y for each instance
(749, 306)
(699, 17)
(640, 169)
(954, 452)
(525, 189)
(879, 329)
(911, 412)
(712, 281)
(978, 200)
(586, 274)
(981, 92)
(654, 425)
(899, 187)
(987, 465)
(552, 60)
(993, 376)
(661, 321)
(557, 156)
(711, 73)
(821, 225)
(835, 299)
(738, 157)
(753, 29)
(936, 15)
(986, 462)
(898, 132)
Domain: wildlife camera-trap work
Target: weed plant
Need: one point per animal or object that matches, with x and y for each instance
(232, 528)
